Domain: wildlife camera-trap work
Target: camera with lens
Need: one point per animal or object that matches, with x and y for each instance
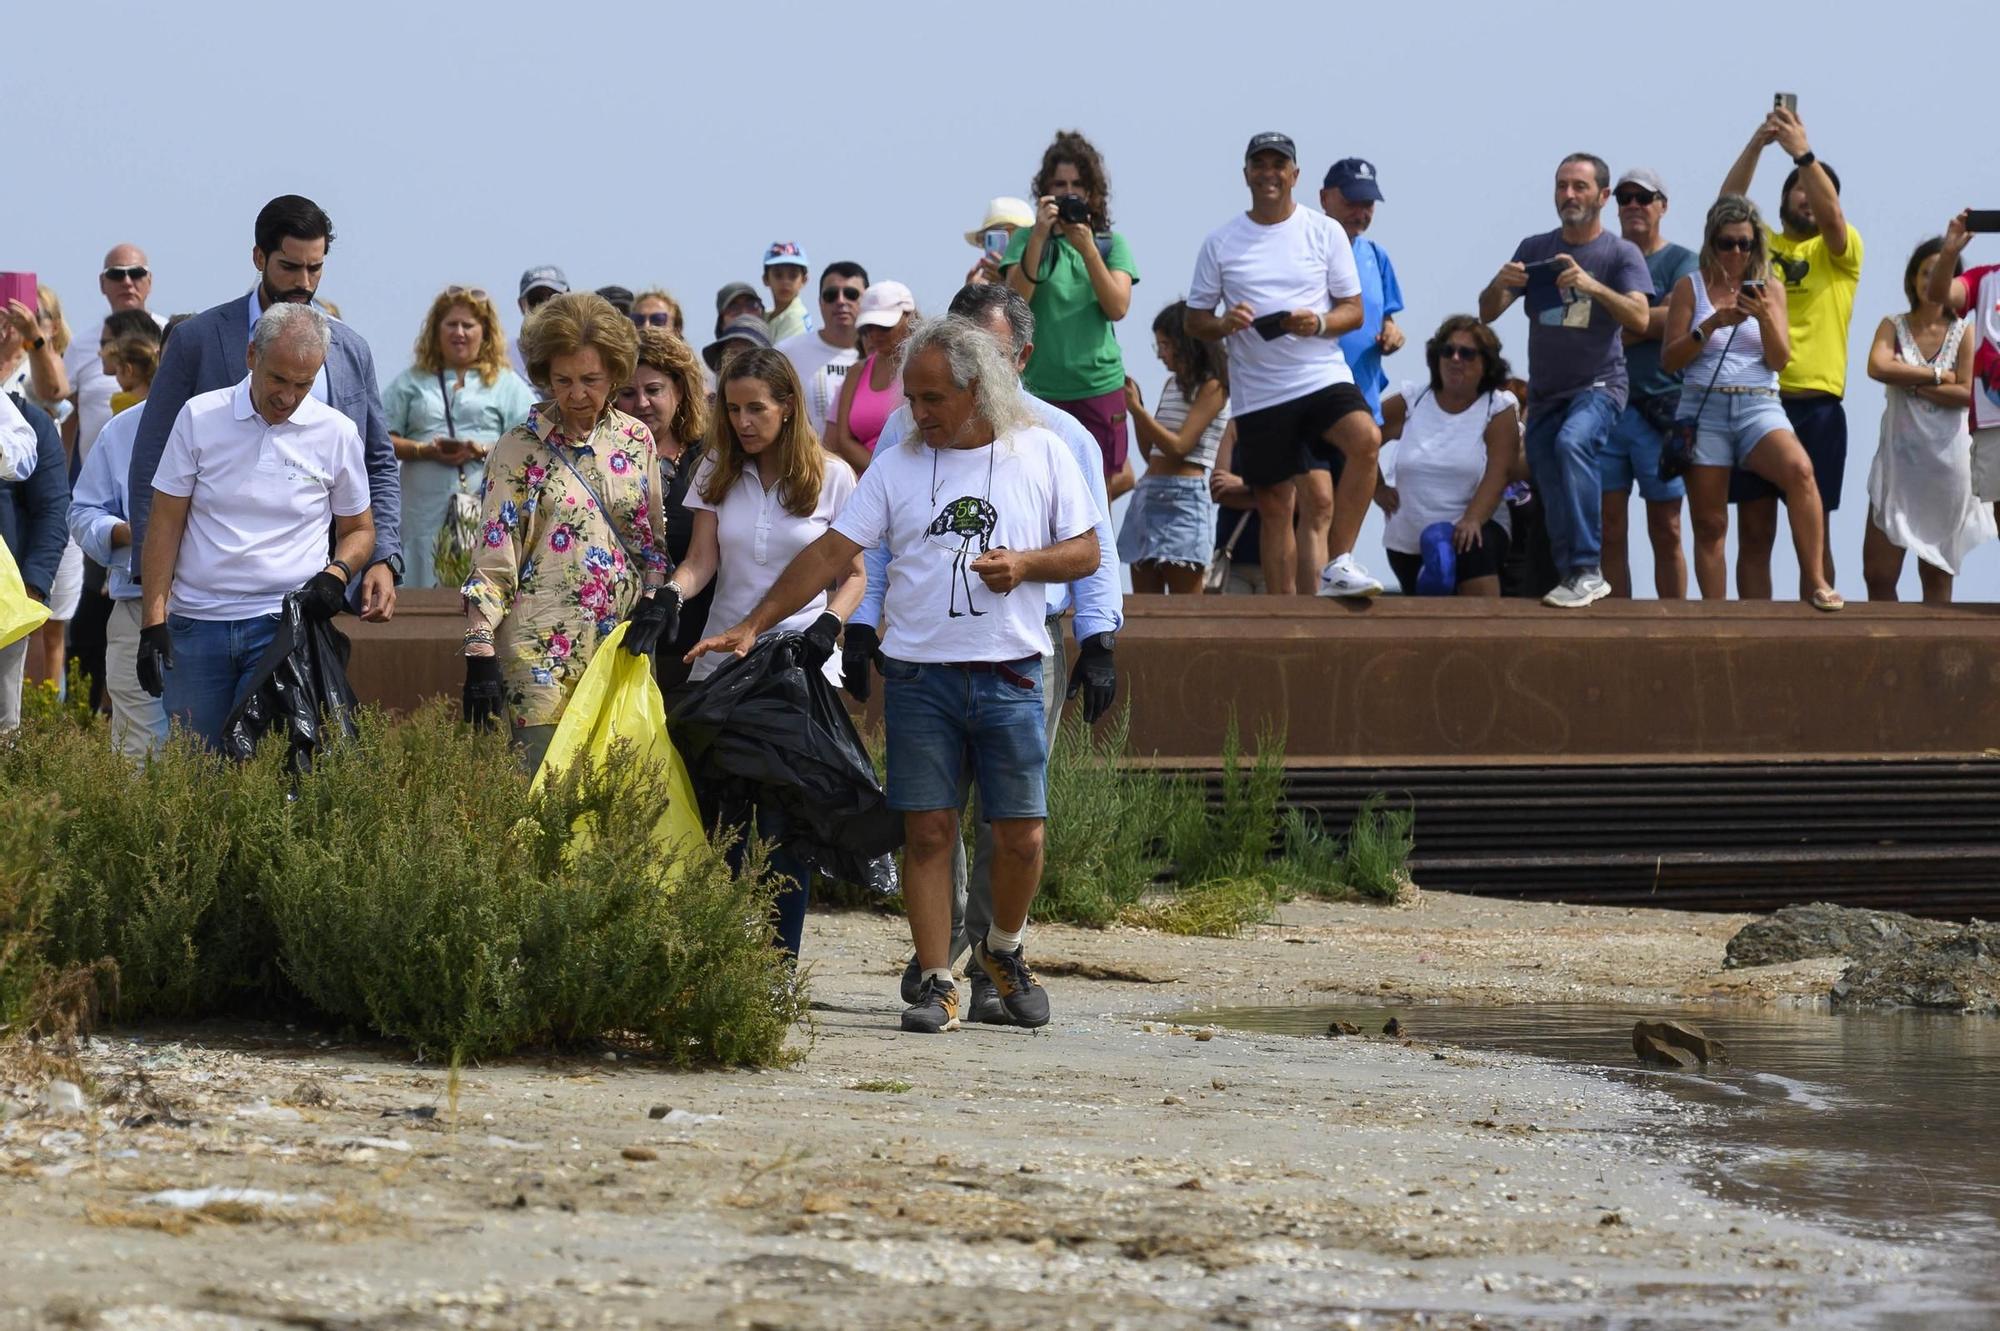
(1073, 208)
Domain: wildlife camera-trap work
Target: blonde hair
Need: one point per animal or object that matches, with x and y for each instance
(801, 461)
(139, 354)
(566, 324)
(665, 298)
(662, 351)
(1730, 210)
(58, 326)
(429, 351)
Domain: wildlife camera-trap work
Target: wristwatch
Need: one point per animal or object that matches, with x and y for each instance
(1804, 159)
(38, 344)
(395, 563)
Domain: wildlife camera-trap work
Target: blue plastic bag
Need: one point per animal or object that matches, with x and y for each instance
(1439, 575)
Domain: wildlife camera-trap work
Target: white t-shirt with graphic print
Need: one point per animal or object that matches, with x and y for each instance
(940, 509)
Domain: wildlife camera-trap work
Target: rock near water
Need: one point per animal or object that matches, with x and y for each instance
(1674, 1044)
(1958, 971)
(1797, 933)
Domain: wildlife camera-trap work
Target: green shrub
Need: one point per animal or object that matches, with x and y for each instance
(1214, 909)
(1376, 863)
(28, 827)
(1102, 842)
(1236, 836)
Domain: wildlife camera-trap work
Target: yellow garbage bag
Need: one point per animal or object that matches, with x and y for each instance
(20, 613)
(616, 700)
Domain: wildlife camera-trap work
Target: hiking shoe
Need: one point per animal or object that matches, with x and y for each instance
(984, 1005)
(1021, 995)
(1345, 577)
(1578, 590)
(935, 1010)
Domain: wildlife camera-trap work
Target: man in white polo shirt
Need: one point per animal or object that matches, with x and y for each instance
(249, 481)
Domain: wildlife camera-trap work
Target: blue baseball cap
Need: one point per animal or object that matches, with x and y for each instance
(1354, 177)
(785, 251)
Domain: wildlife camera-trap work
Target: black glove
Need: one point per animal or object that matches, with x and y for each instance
(658, 615)
(322, 597)
(820, 639)
(862, 650)
(1094, 676)
(484, 699)
(156, 657)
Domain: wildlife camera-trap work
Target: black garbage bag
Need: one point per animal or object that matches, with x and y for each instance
(769, 731)
(301, 691)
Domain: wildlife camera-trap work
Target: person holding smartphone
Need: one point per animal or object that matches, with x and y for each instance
(1728, 335)
(1004, 216)
(445, 412)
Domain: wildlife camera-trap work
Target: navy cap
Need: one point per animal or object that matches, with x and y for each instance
(1271, 142)
(1355, 179)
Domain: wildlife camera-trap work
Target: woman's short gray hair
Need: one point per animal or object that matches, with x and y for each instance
(979, 362)
(288, 320)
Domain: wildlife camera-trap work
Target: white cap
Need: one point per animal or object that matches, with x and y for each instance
(884, 304)
(1003, 211)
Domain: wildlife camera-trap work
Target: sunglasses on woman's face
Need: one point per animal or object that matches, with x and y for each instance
(833, 294)
(1627, 197)
(1459, 351)
(135, 273)
(657, 319)
(1734, 244)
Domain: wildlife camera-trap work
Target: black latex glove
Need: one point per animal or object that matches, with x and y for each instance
(657, 616)
(820, 638)
(1094, 675)
(484, 700)
(861, 652)
(322, 597)
(156, 658)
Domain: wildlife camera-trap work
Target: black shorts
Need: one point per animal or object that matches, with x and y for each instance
(1276, 443)
(1482, 561)
(1820, 422)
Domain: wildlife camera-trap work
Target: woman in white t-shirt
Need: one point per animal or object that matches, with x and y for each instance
(1169, 530)
(764, 491)
(1455, 439)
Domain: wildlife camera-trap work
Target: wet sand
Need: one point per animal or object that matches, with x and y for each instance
(1115, 1170)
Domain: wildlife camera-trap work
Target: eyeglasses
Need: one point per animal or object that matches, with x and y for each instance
(1459, 351)
(832, 294)
(1642, 197)
(136, 273)
(657, 319)
(475, 292)
(1734, 244)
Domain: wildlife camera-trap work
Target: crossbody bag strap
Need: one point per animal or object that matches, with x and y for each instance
(1720, 361)
(603, 511)
(1229, 546)
(449, 428)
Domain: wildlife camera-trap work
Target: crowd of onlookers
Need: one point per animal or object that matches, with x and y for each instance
(826, 461)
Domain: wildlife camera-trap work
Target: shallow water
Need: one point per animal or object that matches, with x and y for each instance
(1884, 1124)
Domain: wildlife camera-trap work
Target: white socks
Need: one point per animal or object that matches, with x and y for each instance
(999, 940)
(942, 973)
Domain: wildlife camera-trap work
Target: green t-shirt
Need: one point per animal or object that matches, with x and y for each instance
(1076, 350)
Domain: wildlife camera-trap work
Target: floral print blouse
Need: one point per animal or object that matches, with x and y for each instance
(555, 572)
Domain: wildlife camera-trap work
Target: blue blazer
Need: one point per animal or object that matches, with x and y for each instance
(32, 508)
(207, 352)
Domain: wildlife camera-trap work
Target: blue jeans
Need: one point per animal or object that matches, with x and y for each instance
(942, 717)
(214, 663)
(1564, 439)
(793, 879)
(1631, 456)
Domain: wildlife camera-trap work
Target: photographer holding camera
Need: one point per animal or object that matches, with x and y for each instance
(1077, 275)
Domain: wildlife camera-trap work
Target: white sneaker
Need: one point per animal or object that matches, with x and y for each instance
(1579, 590)
(1344, 577)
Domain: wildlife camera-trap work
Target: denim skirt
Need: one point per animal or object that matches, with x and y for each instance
(1171, 520)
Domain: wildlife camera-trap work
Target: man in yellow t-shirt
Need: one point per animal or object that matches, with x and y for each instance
(1818, 256)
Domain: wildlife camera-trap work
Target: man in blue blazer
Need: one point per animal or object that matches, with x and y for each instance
(211, 351)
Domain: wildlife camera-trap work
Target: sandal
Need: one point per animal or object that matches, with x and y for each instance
(1827, 599)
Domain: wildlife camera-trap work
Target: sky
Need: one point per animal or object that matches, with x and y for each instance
(668, 144)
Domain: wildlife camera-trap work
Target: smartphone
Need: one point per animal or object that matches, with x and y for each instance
(1788, 101)
(1752, 290)
(1270, 327)
(994, 242)
(21, 287)
(1983, 220)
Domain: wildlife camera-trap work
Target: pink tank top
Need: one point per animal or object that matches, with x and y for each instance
(871, 408)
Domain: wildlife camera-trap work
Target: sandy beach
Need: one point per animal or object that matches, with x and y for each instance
(1119, 1169)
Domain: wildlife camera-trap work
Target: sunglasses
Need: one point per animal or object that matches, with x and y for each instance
(136, 273)
(1638, 196)
(1734, 244)
(1459, 351)
(832, 294)
(657, 319)
(476, 293)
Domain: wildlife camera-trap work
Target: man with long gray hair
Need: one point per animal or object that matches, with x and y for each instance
(250, 478)
(980, 504)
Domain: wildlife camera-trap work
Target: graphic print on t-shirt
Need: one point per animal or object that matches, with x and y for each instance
(1792, 270)
(957, 525)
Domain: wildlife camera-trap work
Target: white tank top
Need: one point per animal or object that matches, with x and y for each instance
(1440, 461)
(1743, 366)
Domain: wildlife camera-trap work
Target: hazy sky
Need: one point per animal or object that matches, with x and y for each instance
(660, 143)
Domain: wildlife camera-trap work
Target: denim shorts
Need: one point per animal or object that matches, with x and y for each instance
(943, 719)
(1631, 457)
(1171, 520)
(1732, 424)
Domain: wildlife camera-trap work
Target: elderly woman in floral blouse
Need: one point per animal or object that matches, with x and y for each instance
(572, 540)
